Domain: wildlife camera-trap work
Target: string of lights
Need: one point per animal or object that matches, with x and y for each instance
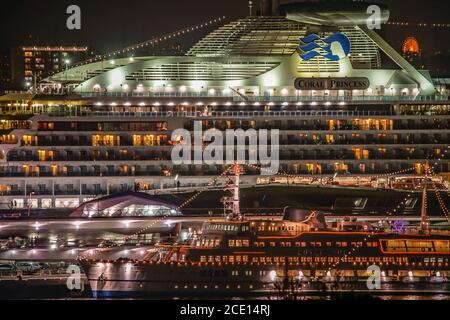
(419, 24)
(293, 176)
(198, 193)
(154, 41)
(441, 202)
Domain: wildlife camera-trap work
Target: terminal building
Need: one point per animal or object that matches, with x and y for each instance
(344, 100)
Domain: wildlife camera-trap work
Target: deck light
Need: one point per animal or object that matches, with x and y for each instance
(272, 275)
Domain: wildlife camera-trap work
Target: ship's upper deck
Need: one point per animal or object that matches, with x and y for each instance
(263, 53)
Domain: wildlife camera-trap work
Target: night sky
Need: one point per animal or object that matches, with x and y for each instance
(108, 24)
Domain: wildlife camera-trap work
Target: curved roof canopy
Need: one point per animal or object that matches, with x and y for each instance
(131, 204)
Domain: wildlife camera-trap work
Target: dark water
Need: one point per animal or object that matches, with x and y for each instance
(310, 291)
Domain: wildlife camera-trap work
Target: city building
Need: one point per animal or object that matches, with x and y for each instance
(31, 64)
(322, 84)
(5, 70)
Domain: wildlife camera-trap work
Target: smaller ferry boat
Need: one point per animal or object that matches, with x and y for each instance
(235, 255)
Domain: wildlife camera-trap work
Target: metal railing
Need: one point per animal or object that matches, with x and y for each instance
(231, 114)
(266, 98)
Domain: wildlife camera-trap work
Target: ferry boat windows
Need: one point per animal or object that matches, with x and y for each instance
(285, 244)
(416, 246)
(442, 246)
(221, 227)
(419, 246)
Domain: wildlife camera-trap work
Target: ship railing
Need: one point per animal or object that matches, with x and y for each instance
(234, 114)
(267, 97)
(362, 98)
(45, 273)
(156, 94)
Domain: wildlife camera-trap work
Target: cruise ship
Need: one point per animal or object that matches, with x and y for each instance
(236, 256)
(345, 102)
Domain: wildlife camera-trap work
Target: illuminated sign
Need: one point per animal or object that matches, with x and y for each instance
(334, 47)
(332, 83)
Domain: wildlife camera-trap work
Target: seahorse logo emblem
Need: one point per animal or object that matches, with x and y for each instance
(334, 47)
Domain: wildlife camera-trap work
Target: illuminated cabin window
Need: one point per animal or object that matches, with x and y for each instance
(41, 155)
(27, 140)
(330, 139)
(137, 140)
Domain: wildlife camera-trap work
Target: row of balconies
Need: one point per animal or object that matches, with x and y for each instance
(85, 143)
(290, 141)
(361, 167)
(292, 154)
(324, 127)
(127, 141)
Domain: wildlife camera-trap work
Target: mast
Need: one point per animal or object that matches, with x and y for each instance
(423, 212)
(231, 204)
